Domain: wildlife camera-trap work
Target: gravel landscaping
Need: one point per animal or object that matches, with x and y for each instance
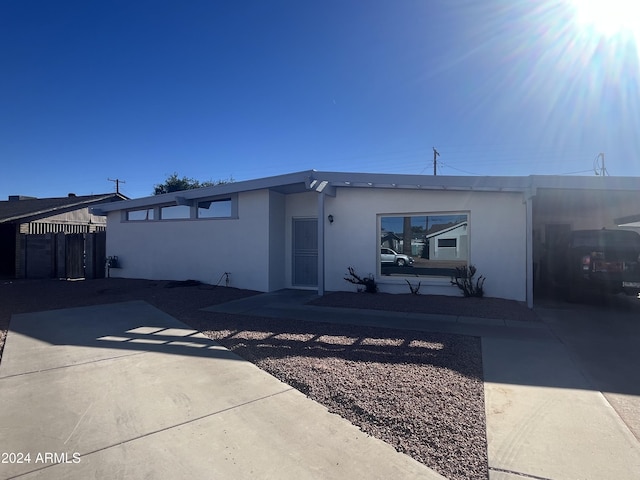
(420, 392)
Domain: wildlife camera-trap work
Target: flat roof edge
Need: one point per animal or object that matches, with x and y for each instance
(388, 180)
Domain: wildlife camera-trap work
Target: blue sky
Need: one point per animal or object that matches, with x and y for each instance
(138, 90)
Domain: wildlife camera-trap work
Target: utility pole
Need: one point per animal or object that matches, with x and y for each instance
(603, 170)
(117, 182)
(435, 161)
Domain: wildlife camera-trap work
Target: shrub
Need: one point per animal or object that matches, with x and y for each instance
(465, 282)
(415, 290)
(369, 282)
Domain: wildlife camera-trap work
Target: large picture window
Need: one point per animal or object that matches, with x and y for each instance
(424, 245)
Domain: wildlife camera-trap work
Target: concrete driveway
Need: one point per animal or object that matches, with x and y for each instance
(567, 407)
(124, 391)
(603, 339)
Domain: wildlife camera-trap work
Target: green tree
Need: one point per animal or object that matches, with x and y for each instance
(174, 183)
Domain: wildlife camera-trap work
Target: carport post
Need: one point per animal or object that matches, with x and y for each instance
(529, 249)
(321, 243)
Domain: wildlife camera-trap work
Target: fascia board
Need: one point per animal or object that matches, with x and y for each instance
(424, 182)
(334, 180)
(209, 192)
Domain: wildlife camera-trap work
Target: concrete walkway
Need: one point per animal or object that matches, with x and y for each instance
(137, 394)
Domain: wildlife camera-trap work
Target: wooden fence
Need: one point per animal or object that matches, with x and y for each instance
(62, 255)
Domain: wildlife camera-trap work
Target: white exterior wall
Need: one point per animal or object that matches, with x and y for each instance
(256, 247)
(197, 249)
(497, 237)
(277, 244)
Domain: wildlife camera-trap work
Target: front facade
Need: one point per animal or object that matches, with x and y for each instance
(304, 230)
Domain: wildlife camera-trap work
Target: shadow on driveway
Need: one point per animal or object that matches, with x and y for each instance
(86, 334)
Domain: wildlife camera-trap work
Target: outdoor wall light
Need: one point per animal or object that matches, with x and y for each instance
(330, 218)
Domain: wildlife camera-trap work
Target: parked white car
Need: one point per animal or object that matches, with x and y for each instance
(390, 256)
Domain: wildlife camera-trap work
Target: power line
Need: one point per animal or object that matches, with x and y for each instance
(575, 173)
(458, 169)
(468, 159)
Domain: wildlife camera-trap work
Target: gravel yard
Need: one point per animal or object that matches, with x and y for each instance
(420, 392)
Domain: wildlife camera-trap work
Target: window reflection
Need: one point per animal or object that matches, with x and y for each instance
(173, 212)
(140, 215)
(215, 209)
(425, 245)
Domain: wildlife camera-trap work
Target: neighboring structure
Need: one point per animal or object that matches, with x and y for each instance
(303, 230)
(450, 243)
(38, 236)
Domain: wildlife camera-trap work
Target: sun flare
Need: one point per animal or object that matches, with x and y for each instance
(609, 17)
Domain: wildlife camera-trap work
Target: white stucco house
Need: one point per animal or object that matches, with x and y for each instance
(303, 230)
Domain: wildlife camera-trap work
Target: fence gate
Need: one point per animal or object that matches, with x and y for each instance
(97, 259)
(74, 257)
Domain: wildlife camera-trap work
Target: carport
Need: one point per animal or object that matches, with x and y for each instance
(562, 204)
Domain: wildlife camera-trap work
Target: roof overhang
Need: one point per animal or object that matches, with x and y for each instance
(619, 196)
(328, 182)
